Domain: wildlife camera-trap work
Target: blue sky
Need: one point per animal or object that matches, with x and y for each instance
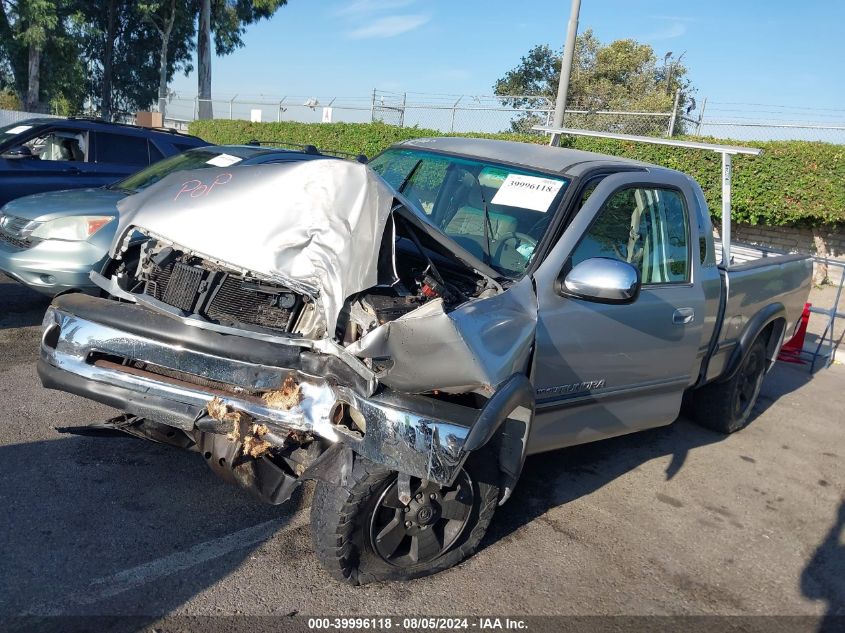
(768, 52)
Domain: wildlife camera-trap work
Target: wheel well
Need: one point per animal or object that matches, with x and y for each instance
(772, 335)
(769, 322)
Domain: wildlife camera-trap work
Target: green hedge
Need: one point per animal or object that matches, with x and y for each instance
(793, 183)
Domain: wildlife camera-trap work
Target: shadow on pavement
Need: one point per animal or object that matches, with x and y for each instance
(20, 306)
(560, 477)
(113, 526)
(824, 576)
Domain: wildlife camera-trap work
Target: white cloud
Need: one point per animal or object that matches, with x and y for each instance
(672, 18)
(390, 26)
(670, 31)
(371, 6)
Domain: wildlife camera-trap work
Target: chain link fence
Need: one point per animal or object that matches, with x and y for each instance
(8, 117)
(743, 121)
(444, 113)
(490, 114)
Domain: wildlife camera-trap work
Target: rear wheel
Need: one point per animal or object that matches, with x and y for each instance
(727, 406)
(363, 532)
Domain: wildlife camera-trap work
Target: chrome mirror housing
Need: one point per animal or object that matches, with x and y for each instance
(603, 280)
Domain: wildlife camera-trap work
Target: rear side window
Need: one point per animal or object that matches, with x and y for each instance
(155, 153)
(646, 227)
(119, 148)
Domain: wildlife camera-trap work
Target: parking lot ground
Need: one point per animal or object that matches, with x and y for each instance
(676, 520)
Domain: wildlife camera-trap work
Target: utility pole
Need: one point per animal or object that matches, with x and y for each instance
(566, 67)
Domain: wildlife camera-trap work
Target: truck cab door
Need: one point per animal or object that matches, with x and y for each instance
(604, 369)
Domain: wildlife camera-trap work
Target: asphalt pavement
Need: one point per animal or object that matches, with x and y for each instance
(676, 520)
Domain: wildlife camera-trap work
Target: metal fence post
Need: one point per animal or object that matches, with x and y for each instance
(454, 107)
(373, 107)
(700, 117)
(281, 109)
(231, 101)
(674, 116)
(402, 112)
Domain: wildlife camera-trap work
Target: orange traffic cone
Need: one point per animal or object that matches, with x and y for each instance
(790, 352)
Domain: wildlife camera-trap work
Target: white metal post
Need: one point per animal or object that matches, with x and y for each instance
(674, 116)
(231, 101)
(402, 114)
(700, 117)
(452, 124)
(726, 209)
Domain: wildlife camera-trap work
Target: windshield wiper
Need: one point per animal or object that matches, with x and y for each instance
(409, 176)
(488, 227)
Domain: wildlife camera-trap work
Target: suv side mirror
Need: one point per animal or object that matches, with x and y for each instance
(603, 280)
(21, 151)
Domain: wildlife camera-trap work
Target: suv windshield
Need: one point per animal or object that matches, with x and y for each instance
(192, 159)
(497, 213)
(9, 132)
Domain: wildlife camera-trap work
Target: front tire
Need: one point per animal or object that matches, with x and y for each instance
(726, 407)
(363, 533)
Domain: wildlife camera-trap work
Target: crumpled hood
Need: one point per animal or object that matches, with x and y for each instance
(53, 204)
(314, 225)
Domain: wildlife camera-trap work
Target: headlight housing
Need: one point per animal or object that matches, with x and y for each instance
(75, 228)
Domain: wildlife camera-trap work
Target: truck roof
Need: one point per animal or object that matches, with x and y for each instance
(543, 157)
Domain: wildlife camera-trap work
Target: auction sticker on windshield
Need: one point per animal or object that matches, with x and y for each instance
(527, 192)
(223, 160)
(19, 129)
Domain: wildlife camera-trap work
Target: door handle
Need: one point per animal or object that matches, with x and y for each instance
(682, 316)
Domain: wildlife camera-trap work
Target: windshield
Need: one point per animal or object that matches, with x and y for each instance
(192, 159)
(8, 132)
(497, 213)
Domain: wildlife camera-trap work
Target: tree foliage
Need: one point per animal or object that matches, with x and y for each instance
(40, 31)
(132, 81)
(624, 75)
(111, 55)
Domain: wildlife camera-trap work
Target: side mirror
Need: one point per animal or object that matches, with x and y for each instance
(602, 280)
(21, 151)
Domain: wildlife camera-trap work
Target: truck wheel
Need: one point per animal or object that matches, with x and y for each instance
(726, 407)
(363, 533)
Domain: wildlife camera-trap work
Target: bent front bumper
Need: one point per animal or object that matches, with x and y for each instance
(93, 347)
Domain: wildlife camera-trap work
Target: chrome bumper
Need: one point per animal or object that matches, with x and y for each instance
(424, 441)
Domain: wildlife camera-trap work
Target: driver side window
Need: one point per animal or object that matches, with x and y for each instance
(646, 227)
(58, 145)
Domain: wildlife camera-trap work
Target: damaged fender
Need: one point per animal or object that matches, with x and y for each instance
(473, 348)
(512, 410)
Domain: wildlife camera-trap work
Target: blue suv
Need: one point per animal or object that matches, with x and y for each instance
(48, 154)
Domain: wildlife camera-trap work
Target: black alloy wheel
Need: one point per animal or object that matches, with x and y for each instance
(424, 529)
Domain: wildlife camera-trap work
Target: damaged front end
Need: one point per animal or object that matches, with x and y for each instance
(281, 349)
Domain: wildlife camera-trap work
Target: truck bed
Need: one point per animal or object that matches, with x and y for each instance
(757, 278)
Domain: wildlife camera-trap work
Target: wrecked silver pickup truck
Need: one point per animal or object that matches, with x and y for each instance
(407, 332)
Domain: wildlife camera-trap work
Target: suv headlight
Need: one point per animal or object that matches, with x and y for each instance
(74, 228)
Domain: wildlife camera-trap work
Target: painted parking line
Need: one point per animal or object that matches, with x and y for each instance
(109, 586)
